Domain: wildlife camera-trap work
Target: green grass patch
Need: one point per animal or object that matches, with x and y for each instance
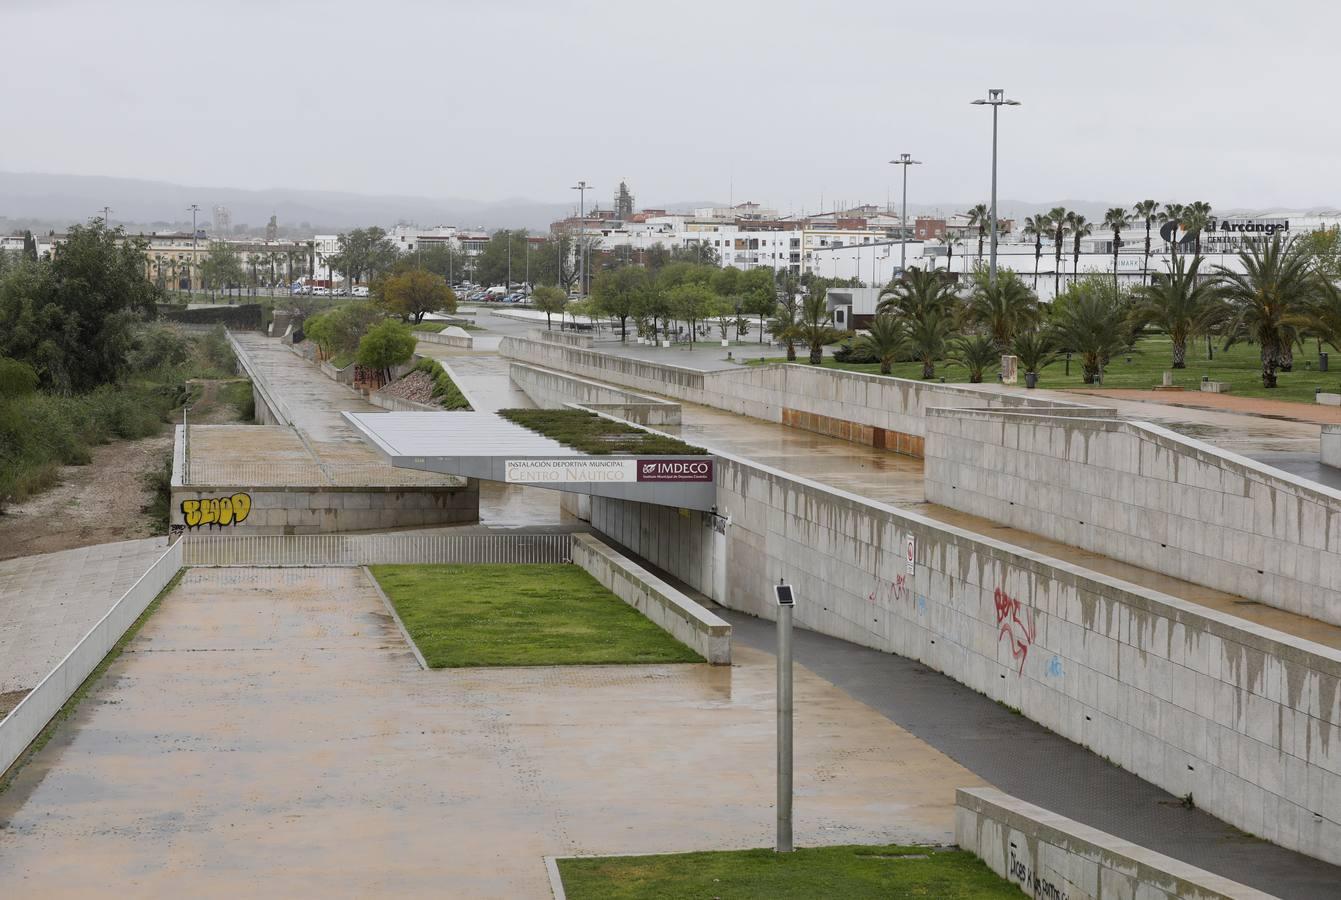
(590, 433)
(521, 615)
(1240, 365)
(445, 391)
(342, 360)
(438, 327)
(239, 395)
(89, 685)
(886, 872)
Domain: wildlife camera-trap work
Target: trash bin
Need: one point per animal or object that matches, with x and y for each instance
(1322, 362)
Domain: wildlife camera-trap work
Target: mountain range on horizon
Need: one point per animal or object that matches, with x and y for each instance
(42, 201)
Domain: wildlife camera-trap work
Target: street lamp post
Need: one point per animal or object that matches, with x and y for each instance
(190, 278)
(904, 160)
(996, 98)
(581, 187)
(786, 601)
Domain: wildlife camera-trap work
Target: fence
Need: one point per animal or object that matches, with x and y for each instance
(372, 549)
(26, 721)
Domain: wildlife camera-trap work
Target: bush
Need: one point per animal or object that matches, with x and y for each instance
(158, 348)
(386, 345)
(216, 350)
(17, 379)
(445, 391)
(854, 353)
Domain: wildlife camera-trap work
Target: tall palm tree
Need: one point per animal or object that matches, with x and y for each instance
(1270, 300)
(1145, 211)
(887, 340)
(1115, 220)
(1037, 227)
(1181, 304)
(981, 217)
(1004, 308)
(1175, 213)
(816, 325)
(1196, 219)
(949, 239)
(917, 291)
(1079, 228)
(1059, 217)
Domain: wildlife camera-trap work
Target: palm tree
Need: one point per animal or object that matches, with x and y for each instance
(1093, 321)
(1181, 304)
(816, 325)
(1173, 212)
(886, 341)
(929, 336)
(949, 239)
(1145, 212)
(785, 324)
(1034, 350)
(1004, 308)
(980, 216)
(975, 353)
(1058, 216)
(917, 291)
(1079, 228)
(1037, 227)
(1116, 219)
(1270, 300)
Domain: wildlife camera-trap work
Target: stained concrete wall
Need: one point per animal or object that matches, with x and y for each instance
(451, 336)
(686, 621)
(1246, 719)
(1331, 445)
(555, 390)
(867, 409)
(321, 510)
(1051, 856)
(1147, 496)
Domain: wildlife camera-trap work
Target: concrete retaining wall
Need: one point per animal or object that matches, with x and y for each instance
(451, 336)
(1331, 445)
(1147, 496)
(1245, 719)
(686, 621)
(1051, 856)
(555, 390)
(867, 409)
(400, 404)
(269, 411)
(322, 509)
(216, 549)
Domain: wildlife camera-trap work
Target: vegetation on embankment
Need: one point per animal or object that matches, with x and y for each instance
(445, 392)
(591, 433)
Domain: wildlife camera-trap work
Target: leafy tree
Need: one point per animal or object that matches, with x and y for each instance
(1003, 308)
(759, 295)
(976, 353)
(726, 282)
(1181, 304)
(340, 330)
(723, 312)
(917, 291)
(386, 345)
(692, 302)
(1271, 299)
(1146, 211)
(413, 294)
(886, 340)
(222, 267)
(698, 252)
(616, 293)
(550, 300)
(653, 304)
(1091, 319)
(929, 331)
(17, 379)
(980, 217)
(491, 266)
(29, 246)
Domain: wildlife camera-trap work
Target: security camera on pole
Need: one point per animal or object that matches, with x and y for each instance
(996, 98)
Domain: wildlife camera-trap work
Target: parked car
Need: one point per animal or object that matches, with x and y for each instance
(360, 291)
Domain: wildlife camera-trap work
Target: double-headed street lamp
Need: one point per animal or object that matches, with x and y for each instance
(581, 187)
(904, 160)
(996, 97)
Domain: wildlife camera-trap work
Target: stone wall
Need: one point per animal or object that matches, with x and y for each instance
(686, 621)
(1051, 856)
(1147, 496)
(323, 509)
(868, 409)
(1245, 719)
(555, 390)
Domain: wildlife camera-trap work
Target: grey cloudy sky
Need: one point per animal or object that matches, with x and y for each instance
(775, 101)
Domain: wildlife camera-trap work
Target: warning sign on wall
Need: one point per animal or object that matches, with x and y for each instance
(910, 564)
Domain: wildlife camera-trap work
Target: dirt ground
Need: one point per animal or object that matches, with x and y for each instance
(103, 501)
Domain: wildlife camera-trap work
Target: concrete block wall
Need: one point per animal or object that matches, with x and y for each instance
(1245, 719)
(1147, 496)
(1331, 445)
(451, 336)
(1048, 855)
(327, 509)
(686, 621)
(555, 390)
(869, 409)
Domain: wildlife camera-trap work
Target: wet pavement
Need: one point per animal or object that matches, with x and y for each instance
(268, 733)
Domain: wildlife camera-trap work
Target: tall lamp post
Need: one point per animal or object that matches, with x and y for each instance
(581, 187)
(190, 278)
(904, 160)
(996, 98)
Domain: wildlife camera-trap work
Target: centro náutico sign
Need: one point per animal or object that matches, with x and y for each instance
(608, 471)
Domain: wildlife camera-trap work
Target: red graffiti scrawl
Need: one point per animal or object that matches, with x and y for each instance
(1016, 623)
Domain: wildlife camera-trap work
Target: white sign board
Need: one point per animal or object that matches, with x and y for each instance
(910, 562)
(570, 471)
(1009, 369)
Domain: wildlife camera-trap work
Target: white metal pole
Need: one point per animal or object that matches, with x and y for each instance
(784, 801)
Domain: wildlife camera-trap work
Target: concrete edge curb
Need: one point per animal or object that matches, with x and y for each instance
(395, 617)
(555, 879)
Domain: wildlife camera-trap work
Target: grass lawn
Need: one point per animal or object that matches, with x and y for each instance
(589, 433)
(521, 615)
(1240, 365)
(852, 872)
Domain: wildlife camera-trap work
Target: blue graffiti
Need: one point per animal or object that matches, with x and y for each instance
(1055, 667)
(921, 604)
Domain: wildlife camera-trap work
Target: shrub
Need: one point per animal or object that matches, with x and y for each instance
(445, 391)
(17, 379)
(386, 345)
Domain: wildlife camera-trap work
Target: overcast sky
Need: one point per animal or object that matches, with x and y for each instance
(780, 102)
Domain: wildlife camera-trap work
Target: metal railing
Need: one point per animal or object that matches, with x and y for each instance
(372, 549)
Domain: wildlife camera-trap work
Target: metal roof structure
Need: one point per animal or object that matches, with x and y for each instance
(488, 447)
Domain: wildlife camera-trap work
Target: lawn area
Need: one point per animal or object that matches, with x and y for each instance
(1151, 357)
(851, 872)
(521, 615)
(590, 433)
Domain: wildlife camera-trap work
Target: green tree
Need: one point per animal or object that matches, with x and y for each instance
(785, 324)
(413, 294)
(1003, 308)
(1092, 320)
(386, 345)
(615, 294)
(698, 252)
(816, 326)
(976, 353)
(1034, 350)
(1037, 227)
(1079, 228)
(917, 291)
(550, 300)
(222, 267)
(492, 264)
(887, 340)
(1271, 299)
(1115, 220)
(1181, 304)
(1146, 211)
(17, 379)
(981, 218)
(759, 295)
(1175, 213)
(1196, 219)
(929, 331)
(692, 302)
(1060, 218)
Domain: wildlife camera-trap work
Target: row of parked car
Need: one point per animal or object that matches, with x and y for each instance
(309, 290)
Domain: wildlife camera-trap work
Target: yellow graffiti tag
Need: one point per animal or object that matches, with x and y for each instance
(216, 510)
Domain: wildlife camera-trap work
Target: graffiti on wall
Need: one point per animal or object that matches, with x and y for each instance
(895, 592)
(220, 511)
(1015, 623)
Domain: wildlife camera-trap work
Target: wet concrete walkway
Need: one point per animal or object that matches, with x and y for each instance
(270, 734)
